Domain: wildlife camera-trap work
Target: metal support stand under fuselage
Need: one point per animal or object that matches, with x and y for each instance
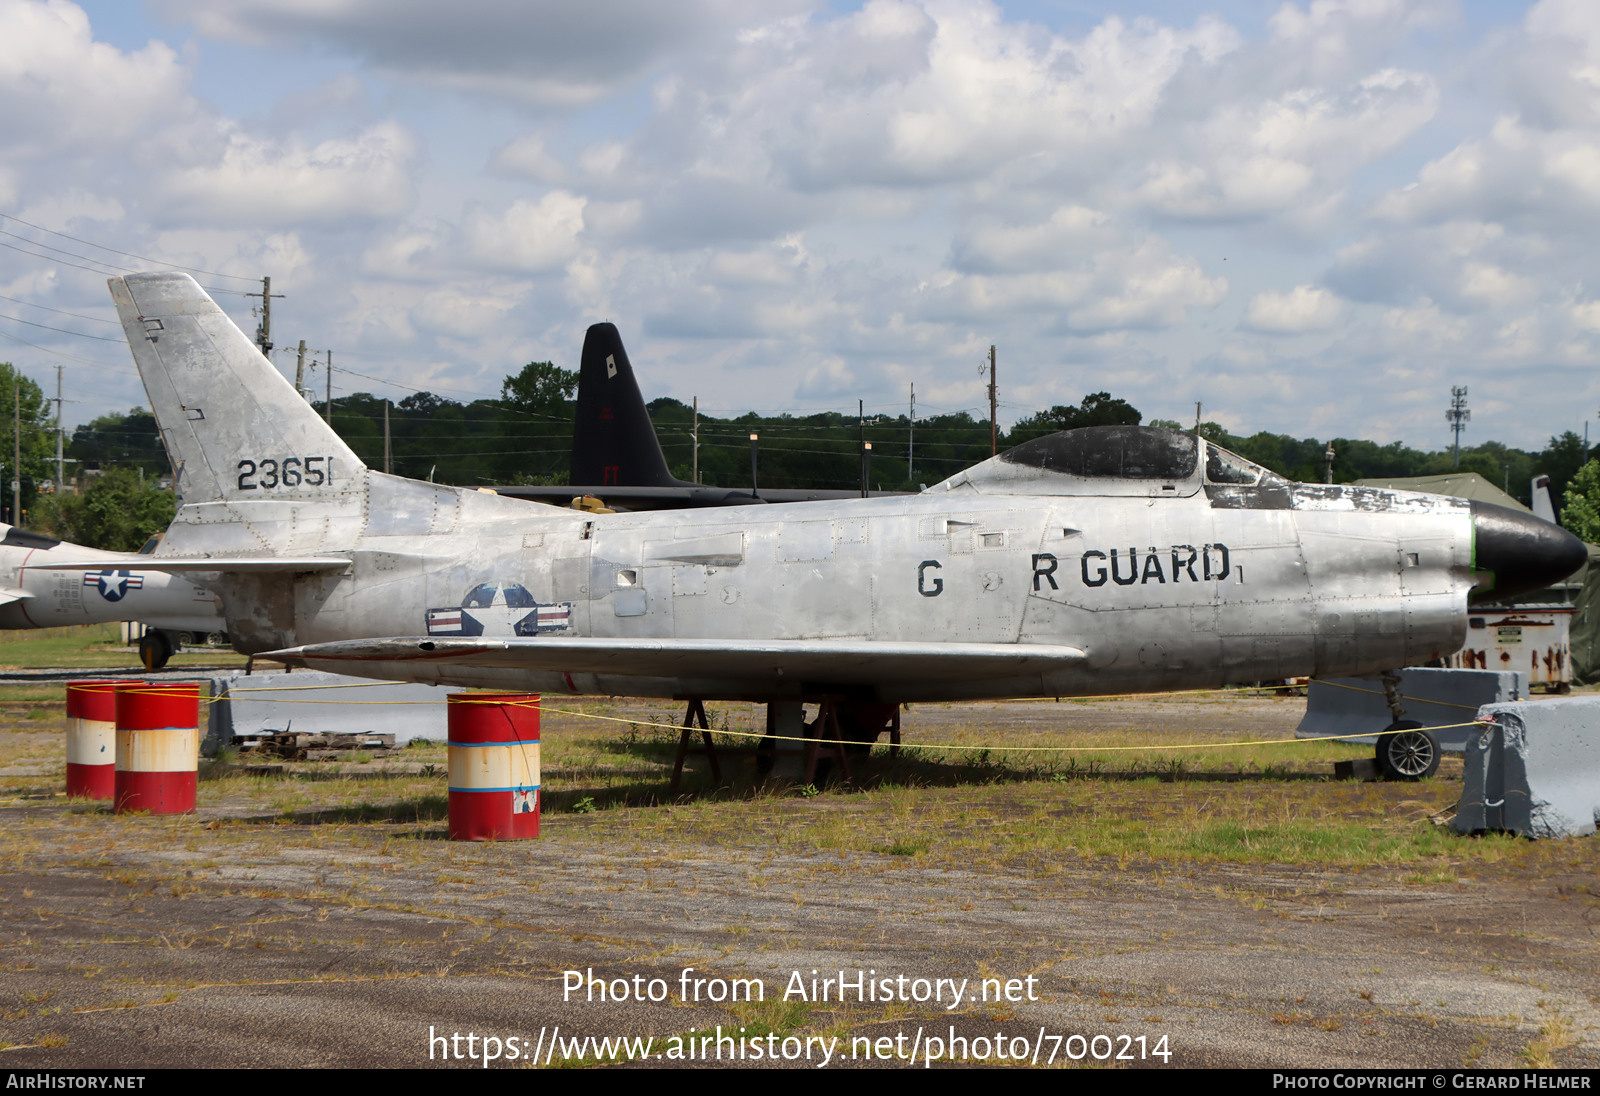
(695, 716)
(785, 721)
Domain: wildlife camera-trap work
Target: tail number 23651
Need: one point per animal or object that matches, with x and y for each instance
(270, 474)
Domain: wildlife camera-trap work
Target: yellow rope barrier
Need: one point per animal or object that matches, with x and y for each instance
(1413, 699)
(161, 689)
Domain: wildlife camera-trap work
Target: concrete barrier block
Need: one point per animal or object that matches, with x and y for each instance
(317, 703)
(1535, 771)
(1354, 707)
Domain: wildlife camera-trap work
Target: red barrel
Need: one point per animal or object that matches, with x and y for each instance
(158, 748)
(92, 738)
(494, 766)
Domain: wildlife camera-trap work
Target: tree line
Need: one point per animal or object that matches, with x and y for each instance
(525, 436)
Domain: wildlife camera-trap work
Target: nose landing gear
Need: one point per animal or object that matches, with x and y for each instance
(155, 649)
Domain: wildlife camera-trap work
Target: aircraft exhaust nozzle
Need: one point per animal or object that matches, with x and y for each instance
(1518, 553)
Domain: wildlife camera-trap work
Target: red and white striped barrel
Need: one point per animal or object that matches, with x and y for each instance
(494, 766)
(92, 738)
(158, 748)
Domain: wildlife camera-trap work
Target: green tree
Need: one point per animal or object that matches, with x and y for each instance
(1096, 409)
(37, 421)
(1561, 460)
(1580, 511)
(116, 511)
(533, 426)
(120, 439)
(540, 386)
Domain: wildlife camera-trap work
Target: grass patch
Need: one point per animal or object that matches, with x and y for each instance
(94, 645)
(606, 767)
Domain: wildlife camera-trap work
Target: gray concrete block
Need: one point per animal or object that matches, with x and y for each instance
(1536, 771)
(319, 703)
(1354, 707)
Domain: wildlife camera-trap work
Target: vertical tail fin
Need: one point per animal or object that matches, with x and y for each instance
(233, 427)
(1541, 499)
(614, 443)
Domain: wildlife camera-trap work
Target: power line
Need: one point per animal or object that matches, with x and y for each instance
(69, 357)
(59, 251)
(109, 269)
(59, 311)
(62, 330)
(114, 251)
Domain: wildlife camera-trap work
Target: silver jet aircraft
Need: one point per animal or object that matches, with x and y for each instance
(1104, 560)
(105, 586)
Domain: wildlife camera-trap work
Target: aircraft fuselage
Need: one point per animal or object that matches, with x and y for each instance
(1194, 586)
(33, 595)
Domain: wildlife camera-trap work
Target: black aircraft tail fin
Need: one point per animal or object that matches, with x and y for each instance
(614, 443)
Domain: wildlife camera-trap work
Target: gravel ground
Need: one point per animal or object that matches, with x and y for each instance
(232, 939)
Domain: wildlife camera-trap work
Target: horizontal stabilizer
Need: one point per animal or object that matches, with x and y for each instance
(842, 661)
(177, 565)
(8, 594)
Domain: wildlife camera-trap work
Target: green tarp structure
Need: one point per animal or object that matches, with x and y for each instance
(1583, 644)
(1461, 485)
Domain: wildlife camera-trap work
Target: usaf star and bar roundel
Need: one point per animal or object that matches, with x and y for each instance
(113, 585)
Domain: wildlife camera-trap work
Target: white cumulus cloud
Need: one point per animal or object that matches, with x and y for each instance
(1303, 308)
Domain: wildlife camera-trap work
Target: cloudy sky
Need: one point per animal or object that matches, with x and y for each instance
(1313, 217)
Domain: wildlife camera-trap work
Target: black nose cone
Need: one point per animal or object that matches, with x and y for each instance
(1518, 553)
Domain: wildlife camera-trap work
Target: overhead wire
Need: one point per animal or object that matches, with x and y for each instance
(64, 354)
(60, 311)
(62, 262)
(124, 254)
(62, 330)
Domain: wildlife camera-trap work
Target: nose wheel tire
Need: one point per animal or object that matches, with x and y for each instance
(1407, 751)
(154, 649)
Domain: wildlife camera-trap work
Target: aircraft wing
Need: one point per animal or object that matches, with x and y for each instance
(841, 661)
(9, 594)
(684, 497)
(177, 565)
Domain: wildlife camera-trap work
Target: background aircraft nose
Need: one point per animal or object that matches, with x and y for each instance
(1520, 552)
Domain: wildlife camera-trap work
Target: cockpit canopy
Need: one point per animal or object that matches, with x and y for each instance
(1115, 460)
(1110, 452)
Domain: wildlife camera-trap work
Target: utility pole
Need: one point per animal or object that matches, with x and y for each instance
(59, 460)
(694, 474)
(16, 456)
(911, 449)
(264, 328)
(387, 453)
(1327, 476)
(328, 410)
(1197, 418)
(1457, 417)
(300, 371)
(994, 437)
